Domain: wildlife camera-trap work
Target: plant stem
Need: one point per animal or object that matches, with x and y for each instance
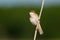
(35, 33)
(41, 9)
(39, 18)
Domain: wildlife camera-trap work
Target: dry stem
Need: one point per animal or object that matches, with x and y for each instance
(41, 9)
(35, 32)
(39, 18)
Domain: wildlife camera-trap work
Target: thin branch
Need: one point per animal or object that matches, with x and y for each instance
(39, 18)
(41, 9)
(35, 32)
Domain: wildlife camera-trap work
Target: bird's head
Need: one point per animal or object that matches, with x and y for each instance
(32, 12)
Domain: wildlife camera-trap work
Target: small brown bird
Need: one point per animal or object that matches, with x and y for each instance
(34, 19)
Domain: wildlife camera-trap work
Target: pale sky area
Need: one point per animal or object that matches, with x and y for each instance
(28, 2)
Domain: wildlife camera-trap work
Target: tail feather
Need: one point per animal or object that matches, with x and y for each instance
(40, 29)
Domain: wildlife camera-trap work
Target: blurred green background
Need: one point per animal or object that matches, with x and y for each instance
(15, 24)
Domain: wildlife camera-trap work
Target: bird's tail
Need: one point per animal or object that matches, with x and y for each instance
(40, 29)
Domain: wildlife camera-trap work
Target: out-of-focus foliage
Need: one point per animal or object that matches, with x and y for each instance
(14, 22)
